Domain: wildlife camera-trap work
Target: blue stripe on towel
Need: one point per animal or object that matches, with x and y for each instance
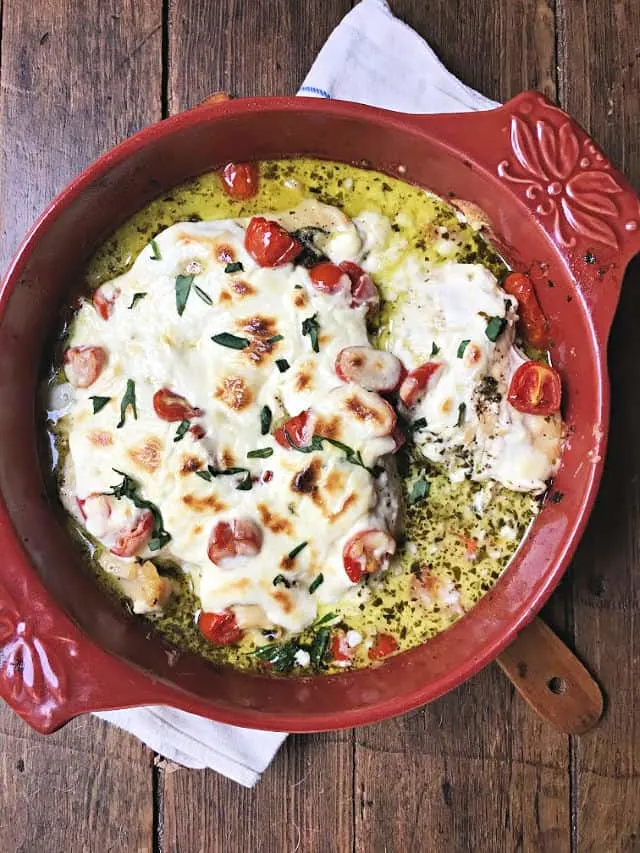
(315, 91)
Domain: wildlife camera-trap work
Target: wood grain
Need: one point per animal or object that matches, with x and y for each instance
(599, 46)
(76, 78)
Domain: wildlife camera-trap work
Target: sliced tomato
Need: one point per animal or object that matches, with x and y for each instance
(239, 537)
(535, 389)
(363, 290)
(299, 428)
(197, 431)
(367, 552)
(240, 180)
(416, 382)
(83, 365)
(341, 652)
(269, 244)
(130, 542)
(221, 629)
(533, 323)
(371, 368)
(104, 299)
(171, 407)
(329, 278)
(383, 646)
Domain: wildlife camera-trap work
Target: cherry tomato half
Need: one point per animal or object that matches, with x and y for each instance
(535, 389)
(340, 650)
(366, 552)
(269, 244)
(363, 290)
(239, 537)
(104, 300)
(130, 542)
(83, 365)
(329, 278)
(415, 383)
(299, 428)
(383, 645)
(532, 321)
(172, 407)
(221, 629)
(240, 180)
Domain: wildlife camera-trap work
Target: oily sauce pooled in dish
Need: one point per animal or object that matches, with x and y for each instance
(302, 420)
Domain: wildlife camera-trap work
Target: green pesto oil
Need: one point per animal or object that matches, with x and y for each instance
(463, 533)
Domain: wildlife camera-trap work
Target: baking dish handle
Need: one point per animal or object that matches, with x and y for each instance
(547, 161)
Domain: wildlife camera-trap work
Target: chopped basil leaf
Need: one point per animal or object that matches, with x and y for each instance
(280, 580)
(419, 424)
(281, 656)
(205, 475)
(99, 403)
(462, 408)
(128, 399)
(136, 298)
(419, 491)
(226, 339)
(328, 617)
(315, 583)
(275, 338)
(261, 453)
(265, 420)
(282, 364)
(434, 349)
(236, 266)
(245, 484)
(353, 456)
(183, 289)
(311, 327)
(310, 254)
(462, 347)
(128, 488)
(204, 296)
(495, 327)
(318, 646)
(156, 256)
(183, 426)
(294, 553)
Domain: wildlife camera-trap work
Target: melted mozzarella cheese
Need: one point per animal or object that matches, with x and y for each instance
(318, 497)
(442, 316)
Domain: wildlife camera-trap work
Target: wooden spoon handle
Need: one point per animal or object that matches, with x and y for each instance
(552, 680)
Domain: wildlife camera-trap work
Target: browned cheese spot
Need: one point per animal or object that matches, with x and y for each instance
(227, 458)
(258, 350)
(148, 455)
(100, 438)
(225, 296)
(331, 427)
(300, 299)
(283, 599)
(197, 530)
(224, 253)
(243, 288)
(304, 378)
(190, 464)
(275, 523)
(362, 412)
(234, 393)
(306, 481)
(210, 503)
(335, 481)
(261, 327)
(349, 501)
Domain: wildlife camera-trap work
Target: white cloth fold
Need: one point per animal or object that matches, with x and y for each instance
(373, 58)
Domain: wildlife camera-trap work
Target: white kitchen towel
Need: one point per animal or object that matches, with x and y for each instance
(373, 58)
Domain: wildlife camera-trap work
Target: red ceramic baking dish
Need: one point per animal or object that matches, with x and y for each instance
(557, 208)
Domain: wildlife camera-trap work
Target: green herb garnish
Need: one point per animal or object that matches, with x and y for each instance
(280, 580)
(99, 403)
(265, 420)
(318, 647)
(261, 453)
(282, 365)
(328, 617)
(156, 256)
(204, 475)
(235, 266)
(183, 426)
(462, 408)
(136, 298)
(351, 455)
(281, 656)
(226, 339)
(204, 296)
(294, 553)
(421, 423)
(128, 399)
(275, 338)
(311, 327)
(495, 326)
(128, 488)
(419, 491)
(434, 349)
(462, 347)
(210, 472)
(315, 583)
(183, 289)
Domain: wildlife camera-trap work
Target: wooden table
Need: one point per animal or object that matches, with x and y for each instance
(475, 771)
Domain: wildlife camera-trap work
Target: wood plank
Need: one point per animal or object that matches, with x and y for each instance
(76, 78)
(475, 770)
(599, 60)
(304, 800)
